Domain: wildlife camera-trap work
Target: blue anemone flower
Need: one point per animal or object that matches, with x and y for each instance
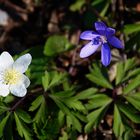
(102, 37)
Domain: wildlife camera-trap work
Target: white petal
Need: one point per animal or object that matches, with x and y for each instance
(6, 60)
(22, 63)
(18, 90)
(25, 80)
(4, 90)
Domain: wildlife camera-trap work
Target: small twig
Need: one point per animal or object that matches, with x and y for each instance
(11, 5)
(17, 104)
(22, 99)
(36, 90)
(137, 132)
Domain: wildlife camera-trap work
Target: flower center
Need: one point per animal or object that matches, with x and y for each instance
(99, 39)
(103, 39)
(12, 76)
(96, 40)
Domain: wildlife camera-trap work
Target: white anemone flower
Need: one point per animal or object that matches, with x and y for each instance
(12, 78)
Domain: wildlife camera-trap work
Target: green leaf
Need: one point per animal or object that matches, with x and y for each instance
(134, 99)
(77, 5)
(36, 69)
(3, 124)
(40, 104)
(22, 129)
(74, 104)
(56, 44)
(94, 118)
(120, 72)
(96, 2)
(86, 94)
(121, 127)
(57, 78)
(99, 76)
(129, 134)
(76, 123)
(129, 112)
(64, 136)
(123, 70)
(98, 100)
(41, 114)
(64, 94)
(24, 116)
(68, 121)
(60, 104)
(36, 103)
(118, 126)
(104, 10)
(79, 116)
(132, 73)
(8, 130)
(52, 78)
(61, 117)
(68, 100)
(46, 80)
(3, 108)
(129, 64)
(8, 99)
(131, 28)
(72, 119)
(132, 85)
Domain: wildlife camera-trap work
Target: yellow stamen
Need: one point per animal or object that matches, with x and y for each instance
(12, 76)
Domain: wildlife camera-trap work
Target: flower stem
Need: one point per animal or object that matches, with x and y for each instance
(13, 108)
(17, 104)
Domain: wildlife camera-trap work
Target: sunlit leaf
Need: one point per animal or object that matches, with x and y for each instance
(56, 44)
(94, 118)
(99, 76)
(3, 108)
(118, 126)
(97, 101)
(121, 129)
(24, 116)
(61, 117)
(39, 104)
(120, 72)
(129, 64)
(132, 85)
(77, 5)
(86, 94)
(134, 116)
(52, 78)
(3, 124)
(104, 10)
(22, 129)
(131, 28)
(134, 99)
(74, 121)
(64, 136)
(36, 103)
(132, 73)
(40, 116)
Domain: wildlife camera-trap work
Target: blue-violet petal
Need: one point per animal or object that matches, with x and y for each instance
(110, 32)
(88, 35)
(105, 54)
(88, 49)
(114, 41)
(100, 28)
